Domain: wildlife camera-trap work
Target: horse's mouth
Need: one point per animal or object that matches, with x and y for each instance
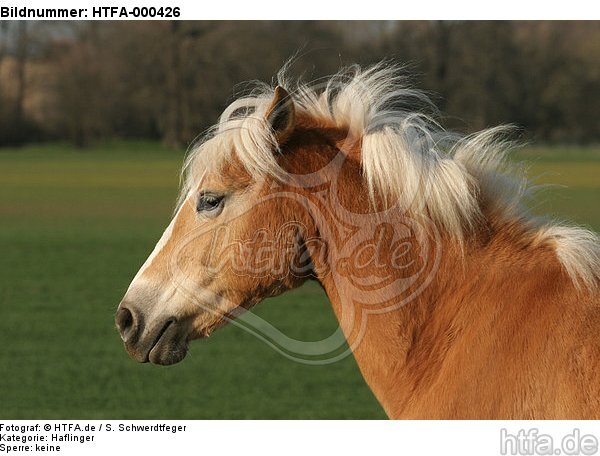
(169, 347)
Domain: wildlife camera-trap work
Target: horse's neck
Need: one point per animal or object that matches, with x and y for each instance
(405, 345)
(383, 333)
(479, 338)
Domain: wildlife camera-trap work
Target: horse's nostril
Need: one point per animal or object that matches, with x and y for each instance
(125, 322)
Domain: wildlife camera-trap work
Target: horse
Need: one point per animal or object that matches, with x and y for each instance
(455, 300)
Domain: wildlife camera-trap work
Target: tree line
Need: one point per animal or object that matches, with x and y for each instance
(86, 81)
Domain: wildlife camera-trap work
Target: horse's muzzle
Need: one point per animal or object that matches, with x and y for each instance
(162, 342)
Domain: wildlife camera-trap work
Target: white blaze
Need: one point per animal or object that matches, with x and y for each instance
(157, 249)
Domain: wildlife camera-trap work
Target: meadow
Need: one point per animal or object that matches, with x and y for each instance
(75, 227)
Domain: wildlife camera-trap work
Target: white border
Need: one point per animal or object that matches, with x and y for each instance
(302, 438)
(364, 10)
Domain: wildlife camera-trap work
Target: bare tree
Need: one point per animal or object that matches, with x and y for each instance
(174, 124)
(21, 75)
(3, 40)
(170, 80)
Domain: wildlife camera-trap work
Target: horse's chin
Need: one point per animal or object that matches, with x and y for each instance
(168, 353)
(170, 347)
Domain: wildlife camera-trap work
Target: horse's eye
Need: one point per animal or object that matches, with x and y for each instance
(210, 204)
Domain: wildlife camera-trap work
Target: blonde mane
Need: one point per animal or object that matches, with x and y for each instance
(405, 156)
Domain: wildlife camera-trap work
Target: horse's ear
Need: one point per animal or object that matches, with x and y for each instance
(281, 115)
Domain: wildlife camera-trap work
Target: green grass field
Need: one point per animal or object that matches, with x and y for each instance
(76, 226)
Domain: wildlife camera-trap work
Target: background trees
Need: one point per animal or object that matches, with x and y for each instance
(82, 82)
